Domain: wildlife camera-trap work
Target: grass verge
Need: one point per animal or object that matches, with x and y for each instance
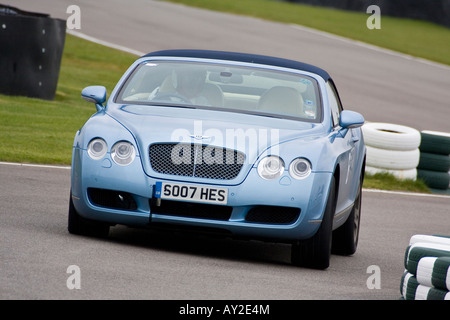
(417, 38)
(41, 131)
(386, 181)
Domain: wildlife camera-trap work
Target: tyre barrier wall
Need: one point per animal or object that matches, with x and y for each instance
(427, 268)
(434, 161)
(407, 153)
(31, 47)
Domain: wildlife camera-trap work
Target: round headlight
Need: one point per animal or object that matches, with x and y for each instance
(300, 168)
(123, 153)
(270, 167)
(97, 148)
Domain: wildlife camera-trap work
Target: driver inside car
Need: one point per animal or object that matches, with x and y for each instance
(185, 87)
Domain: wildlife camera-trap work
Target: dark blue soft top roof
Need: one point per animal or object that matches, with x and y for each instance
(243, 57)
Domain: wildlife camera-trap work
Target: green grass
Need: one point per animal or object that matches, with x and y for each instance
(41, 131)
(413, 37)
(386, 181)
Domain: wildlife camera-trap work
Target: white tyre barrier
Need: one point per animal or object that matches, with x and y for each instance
(391, 136)
(411, 289)
(425, 238)
(434, 272)
(392, 159)
(427, 268)
(419, 250)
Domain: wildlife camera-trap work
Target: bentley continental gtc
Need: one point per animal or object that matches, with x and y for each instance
(245, 145)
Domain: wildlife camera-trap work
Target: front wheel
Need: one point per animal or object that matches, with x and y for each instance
(345, 238)
(315, 252)
(81, 226)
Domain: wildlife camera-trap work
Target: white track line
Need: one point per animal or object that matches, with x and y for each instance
(295, 26)
(370, 46)
(364, 189)
(35, 165)
(104, 43)
(427, 195)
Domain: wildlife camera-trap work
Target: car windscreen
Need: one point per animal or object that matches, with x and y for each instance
(227, 87)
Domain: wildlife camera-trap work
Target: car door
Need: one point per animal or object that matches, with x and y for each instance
(344, 145)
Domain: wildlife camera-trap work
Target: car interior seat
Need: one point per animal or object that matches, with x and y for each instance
(284, 100)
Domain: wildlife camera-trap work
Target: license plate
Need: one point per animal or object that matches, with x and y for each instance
(194, 193)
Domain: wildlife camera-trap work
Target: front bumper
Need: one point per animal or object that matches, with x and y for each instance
(283, 209)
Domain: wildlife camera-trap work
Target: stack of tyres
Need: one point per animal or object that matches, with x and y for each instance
(392, 148)
(427, 269)
(434, 161)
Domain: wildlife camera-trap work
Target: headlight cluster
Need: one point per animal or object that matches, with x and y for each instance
(272, 167)
(122, 152)
(97, 148)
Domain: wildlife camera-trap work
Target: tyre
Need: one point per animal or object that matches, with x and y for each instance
(315, 252)
(392, 159)
(435, 142)
(434, 179)
(424, 238)
(434, 272)
(419, 250)
(345, 238)
(391, 136)
(81, 226)
(409, 174)
(434, 162)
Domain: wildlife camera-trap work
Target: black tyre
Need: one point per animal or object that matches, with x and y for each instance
(316, 251)
(434, 179)
(345, 238)
(81, 226)
(435, 142)
(434, 162)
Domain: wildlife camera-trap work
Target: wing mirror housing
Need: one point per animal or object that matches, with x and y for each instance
(351, 119)
(95, 94)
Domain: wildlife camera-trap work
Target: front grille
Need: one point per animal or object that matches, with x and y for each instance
(272, 215)
(196, 160)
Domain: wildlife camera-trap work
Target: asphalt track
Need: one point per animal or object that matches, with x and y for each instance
(36, 250)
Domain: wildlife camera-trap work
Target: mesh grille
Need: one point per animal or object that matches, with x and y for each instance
(273, 214)
(196, 160)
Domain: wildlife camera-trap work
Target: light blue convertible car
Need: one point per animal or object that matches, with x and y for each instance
(245, 145)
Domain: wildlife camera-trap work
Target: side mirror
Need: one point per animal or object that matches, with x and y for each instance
(351, 119)
(95, 94)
